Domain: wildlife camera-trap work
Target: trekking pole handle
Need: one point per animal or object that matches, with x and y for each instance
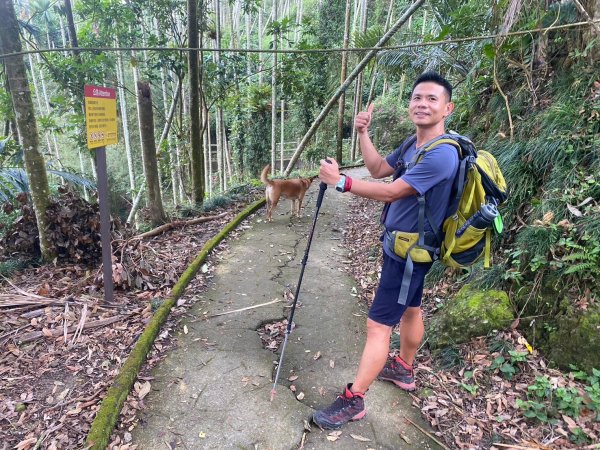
(322, 189)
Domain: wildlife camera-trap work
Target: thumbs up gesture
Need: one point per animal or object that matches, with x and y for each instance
(363, 119)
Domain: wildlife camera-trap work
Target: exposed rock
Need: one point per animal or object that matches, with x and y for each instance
(575, 339)
(469, 314)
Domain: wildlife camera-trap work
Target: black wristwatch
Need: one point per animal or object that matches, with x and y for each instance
(341, 184)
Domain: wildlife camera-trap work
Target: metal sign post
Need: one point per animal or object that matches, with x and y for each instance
(101, 130)
(104, 223)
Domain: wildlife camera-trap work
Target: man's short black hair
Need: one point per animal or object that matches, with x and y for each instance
(436, 78)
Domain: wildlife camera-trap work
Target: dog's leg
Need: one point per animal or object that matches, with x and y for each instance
(300, 200)
(268, 203)
(274, 202)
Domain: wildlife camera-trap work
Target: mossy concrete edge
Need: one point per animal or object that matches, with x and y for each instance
(110, 408)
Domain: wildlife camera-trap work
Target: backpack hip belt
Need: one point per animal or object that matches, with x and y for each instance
(405, 244)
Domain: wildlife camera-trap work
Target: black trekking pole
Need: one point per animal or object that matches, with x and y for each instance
(288, 330)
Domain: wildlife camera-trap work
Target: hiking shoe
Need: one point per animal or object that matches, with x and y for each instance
(347, 407)
(399, 373)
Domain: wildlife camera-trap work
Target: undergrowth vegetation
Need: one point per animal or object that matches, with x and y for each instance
(549, 255)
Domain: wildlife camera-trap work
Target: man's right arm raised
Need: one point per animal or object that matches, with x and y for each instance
(376, 164)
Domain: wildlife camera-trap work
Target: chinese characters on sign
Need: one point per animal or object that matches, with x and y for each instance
(100, 116)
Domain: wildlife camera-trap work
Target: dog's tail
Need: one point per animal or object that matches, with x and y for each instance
(265, 174)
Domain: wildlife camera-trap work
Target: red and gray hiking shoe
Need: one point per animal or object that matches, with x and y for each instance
(399, 373)
(347, 407)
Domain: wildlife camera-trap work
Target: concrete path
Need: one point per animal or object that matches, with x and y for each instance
(213, 390)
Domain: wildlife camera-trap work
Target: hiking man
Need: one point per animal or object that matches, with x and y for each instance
(430, 104)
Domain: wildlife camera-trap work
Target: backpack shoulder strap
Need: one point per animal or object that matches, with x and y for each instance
(407, 143)
(400, 165)
(445, 139)
(424, 212)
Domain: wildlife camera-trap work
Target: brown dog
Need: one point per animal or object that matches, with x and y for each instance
(293, 190)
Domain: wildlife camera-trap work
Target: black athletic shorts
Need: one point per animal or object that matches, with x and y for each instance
(385, 308)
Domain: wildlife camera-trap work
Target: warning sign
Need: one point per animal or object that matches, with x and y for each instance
(100, 116)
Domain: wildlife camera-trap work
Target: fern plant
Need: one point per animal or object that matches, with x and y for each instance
(586, 261)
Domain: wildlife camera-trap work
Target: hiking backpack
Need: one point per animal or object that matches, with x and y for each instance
(478, 182)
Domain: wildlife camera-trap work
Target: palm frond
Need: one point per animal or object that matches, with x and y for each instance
(419, 59)
(369, 38)
(74, 179)
(30, 28)
(16, 177)
(13, 180)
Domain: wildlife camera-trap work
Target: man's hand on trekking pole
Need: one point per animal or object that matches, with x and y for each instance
(363, 119)
(330, 171)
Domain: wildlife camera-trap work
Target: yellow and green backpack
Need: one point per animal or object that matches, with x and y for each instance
(478, 182)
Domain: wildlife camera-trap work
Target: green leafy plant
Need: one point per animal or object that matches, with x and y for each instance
(533, 410)
(568, 400)
(579, 437)
(470, 388)
(545, 401)
(592, 390)
(541, 388)
(517, 357)
(508, 368)
(535, 407)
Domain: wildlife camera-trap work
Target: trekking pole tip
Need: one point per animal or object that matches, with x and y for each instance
(273, 392)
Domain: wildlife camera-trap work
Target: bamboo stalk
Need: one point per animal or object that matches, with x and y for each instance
(333, 100)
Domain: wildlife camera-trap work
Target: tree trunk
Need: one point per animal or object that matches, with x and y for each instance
(375, 71)
(274, 92)
(248, 22)
(23, 105)
(157, 213)
(71, 27)
(208, 153)
(540, 59)
(299, 13)
(176, 143)
(48, 110)
(62, 31)
(227, 157)
(358, 88)
(361, 65)
(125, 122)
(260, 43)
(11, 124)
(590, 10)
(38, 97)
(219, 115)
(195, 126)
(173, 156)
(342, 101)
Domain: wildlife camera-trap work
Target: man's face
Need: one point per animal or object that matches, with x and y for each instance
(429, 104)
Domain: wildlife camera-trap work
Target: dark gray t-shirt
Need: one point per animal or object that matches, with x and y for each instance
(433, 177)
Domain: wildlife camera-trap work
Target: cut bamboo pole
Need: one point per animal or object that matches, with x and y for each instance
(333, 100)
